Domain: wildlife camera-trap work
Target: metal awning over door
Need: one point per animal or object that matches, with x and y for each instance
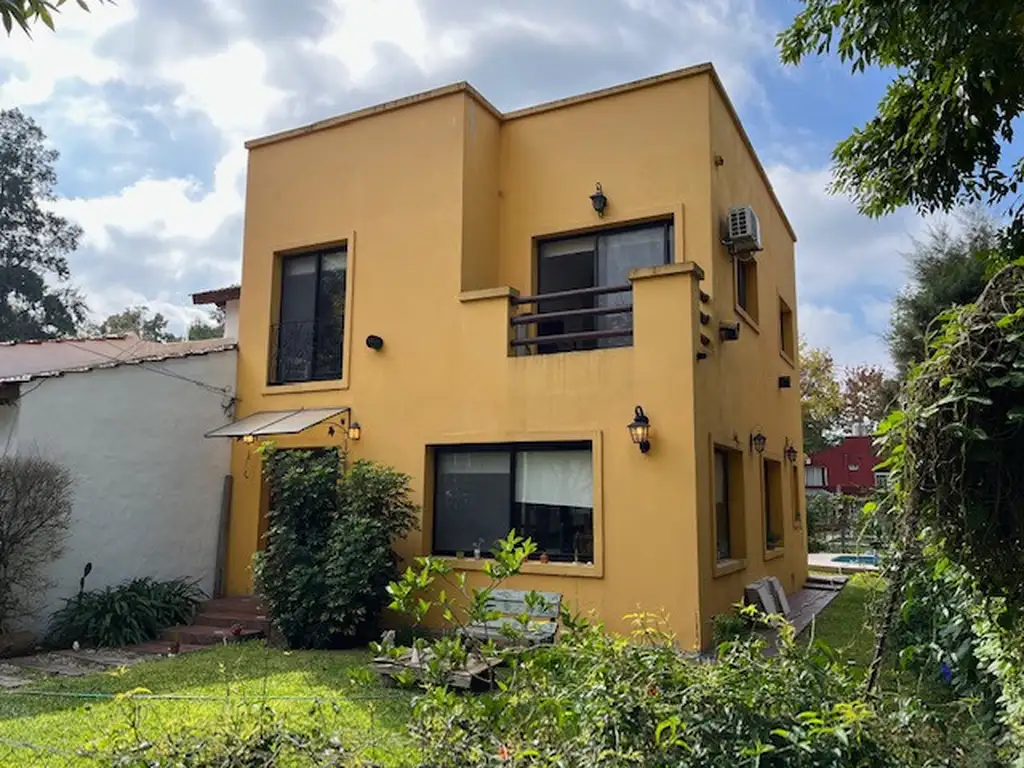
(266, 423)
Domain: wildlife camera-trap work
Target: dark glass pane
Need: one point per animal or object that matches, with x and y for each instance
(330, 318)
(565, 265)
(722, 532)
(617, 255)
(295, 331)
(473, 490)
(741, 286)
(554, 502)
(564, 533)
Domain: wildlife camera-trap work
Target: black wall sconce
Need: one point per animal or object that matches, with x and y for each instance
(757, 441)
(598, 200)
(376, 343)
(785, 382)
(791, 452)
(640, 430)
(729, 331)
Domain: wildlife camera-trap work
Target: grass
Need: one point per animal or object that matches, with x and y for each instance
(844, 625)
(48, 730)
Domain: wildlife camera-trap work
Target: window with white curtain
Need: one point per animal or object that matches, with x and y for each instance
(545, 492)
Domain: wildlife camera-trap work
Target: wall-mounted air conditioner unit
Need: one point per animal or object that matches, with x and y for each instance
(742, 232)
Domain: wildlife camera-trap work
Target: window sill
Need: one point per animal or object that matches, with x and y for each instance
(305, 386)
(534, 568)
(725, 567)
(788, 358)
(772, 554)
(746, 318)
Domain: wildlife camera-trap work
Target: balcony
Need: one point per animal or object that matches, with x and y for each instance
(306, 350)
(571, 320)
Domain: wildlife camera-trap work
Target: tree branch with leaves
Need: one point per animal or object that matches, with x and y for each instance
(25, 13)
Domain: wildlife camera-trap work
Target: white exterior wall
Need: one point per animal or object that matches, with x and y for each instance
(148, 485)
(231, 319)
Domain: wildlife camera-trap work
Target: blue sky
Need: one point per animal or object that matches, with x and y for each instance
(149, 102)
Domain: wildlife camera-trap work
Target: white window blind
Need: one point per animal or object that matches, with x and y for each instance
(557, 478)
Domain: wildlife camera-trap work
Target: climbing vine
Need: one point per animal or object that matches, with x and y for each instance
(956, 457)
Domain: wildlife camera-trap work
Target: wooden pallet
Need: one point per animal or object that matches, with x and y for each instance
(477, 673)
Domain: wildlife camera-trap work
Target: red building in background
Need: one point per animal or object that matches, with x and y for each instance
(844, 468)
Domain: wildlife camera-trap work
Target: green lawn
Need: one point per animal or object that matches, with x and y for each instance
(372, 718)
(844, 625)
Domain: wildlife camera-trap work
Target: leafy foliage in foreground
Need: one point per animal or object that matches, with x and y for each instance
(329, 550)
(955, 454)
(597, 699)
(129, 613)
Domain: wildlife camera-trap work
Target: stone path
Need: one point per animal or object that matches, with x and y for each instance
(26, 669)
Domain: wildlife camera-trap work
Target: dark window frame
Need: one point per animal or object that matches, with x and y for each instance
(726, 461)
(746, 288)
(275, 374)
(512, 449)
(665, 223)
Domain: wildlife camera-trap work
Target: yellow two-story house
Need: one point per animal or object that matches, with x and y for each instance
(576, 320)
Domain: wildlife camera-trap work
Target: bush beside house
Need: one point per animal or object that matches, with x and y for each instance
(329, 545)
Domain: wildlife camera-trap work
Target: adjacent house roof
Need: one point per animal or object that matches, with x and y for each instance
(23, 361)
(218, 296)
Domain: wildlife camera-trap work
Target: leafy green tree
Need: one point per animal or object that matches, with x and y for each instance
(200, 329)
(869, 393)
(137, 320)
(35, 300)
(821, 398)
(947, 269)
(24, 13)
(938, 137)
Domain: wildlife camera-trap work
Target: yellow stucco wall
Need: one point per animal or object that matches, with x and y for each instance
(440, 202)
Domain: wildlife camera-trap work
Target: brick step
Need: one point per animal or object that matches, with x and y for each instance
(244, 604)
(199, 634)
(162, 647)
(207, 618)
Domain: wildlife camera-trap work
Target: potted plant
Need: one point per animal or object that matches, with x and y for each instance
(544, 557)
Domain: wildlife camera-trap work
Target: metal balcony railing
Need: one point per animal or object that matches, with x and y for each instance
(565, 321)
(307, 350)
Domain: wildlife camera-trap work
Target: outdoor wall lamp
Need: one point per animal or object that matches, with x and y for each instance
(791, 452)
(355, 431)
(757, 441)
(598, 200)
(640, 429)
(248, 439)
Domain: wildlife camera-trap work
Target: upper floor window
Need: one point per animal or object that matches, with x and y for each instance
(308, 338)
(787, 337)
(582, 317)
(746, 287)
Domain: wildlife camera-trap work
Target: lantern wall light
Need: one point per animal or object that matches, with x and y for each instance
(757, 441)
(355, 431)
(791, 452)
(599, 200)
(640, 430)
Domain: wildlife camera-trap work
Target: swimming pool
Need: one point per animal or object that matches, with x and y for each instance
(858, 559)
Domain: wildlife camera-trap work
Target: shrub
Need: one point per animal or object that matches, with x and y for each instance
(130, 613)
(35, 514)
(329, 550)
(597, 699)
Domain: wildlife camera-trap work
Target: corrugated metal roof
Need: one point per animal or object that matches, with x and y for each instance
(277, 422)
(23, 361)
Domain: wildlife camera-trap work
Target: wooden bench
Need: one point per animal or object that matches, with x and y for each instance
(541, 626)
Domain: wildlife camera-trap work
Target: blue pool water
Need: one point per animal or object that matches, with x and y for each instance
(860, 559)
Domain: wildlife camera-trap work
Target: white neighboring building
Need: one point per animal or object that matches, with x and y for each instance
(127, 418)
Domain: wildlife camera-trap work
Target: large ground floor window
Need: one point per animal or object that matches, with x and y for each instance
(545, 492)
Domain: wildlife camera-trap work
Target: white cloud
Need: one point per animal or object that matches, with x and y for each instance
(47, 58)
(228, 87)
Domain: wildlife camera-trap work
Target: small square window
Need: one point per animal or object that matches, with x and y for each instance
(787, 337)
(746, 287)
